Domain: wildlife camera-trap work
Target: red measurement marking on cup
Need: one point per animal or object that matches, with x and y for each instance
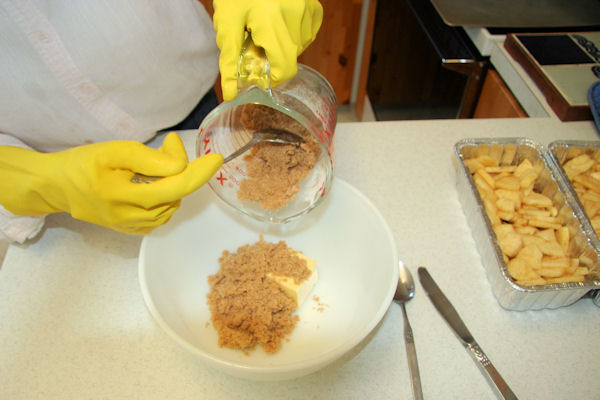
(240, 171)
(206, 143)
(221, 178)
(323, 117)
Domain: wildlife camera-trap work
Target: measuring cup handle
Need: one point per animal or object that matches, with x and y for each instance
(253, 66)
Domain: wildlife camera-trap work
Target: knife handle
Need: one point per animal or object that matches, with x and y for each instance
(411, 355)
(491, 373)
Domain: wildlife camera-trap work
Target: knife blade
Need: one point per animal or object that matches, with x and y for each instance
(449, 313)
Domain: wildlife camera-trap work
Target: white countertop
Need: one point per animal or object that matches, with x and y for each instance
(74, 325)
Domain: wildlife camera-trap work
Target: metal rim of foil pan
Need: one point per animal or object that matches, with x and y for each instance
(509, 294)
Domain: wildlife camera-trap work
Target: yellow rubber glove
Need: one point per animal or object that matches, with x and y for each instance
(92, 182)
(284, 28)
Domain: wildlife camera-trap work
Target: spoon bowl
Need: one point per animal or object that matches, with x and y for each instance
(406, 285)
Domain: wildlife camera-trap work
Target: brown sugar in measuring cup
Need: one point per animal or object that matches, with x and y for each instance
(275, 170)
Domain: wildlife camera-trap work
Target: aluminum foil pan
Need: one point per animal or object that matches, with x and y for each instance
(551, 183)
(562, 151)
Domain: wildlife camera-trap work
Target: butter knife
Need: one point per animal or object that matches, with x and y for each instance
(445, 308)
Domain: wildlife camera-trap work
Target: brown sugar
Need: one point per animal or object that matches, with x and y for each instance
(320, 306)
(255, 117)
(247, 308)
(274, 171)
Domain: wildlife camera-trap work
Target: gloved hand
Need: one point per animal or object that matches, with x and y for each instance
(283, 28)
(92, 182)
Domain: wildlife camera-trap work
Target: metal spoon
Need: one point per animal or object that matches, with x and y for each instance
(271, 135)
(404, 292)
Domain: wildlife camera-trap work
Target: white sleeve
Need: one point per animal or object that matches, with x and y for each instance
(9, 140)
(16, 228)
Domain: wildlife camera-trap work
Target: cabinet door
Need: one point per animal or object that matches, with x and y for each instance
(496, 100)
(333, 53)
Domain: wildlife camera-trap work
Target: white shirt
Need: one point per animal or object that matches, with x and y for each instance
(85, 71)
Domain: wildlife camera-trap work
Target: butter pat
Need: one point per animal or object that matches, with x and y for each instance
(298, 291)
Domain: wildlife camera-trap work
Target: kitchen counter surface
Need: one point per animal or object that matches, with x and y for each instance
(74, 324)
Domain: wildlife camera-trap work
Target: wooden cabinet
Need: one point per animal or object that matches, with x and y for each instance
(496, 100)
(420, 66)
(333, 53)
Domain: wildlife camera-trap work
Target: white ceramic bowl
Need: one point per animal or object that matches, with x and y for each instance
(358, 270)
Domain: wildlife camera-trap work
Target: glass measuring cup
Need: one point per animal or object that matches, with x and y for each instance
(305, 105)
